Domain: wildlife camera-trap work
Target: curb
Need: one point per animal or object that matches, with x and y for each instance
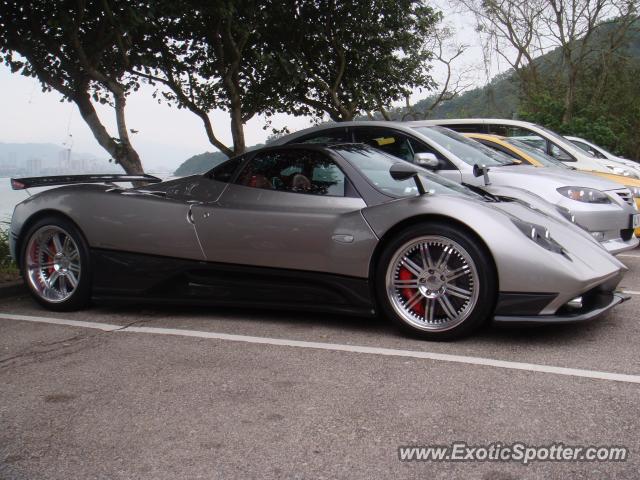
(11, 289)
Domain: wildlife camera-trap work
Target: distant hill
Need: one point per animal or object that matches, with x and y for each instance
(200, 163)
(203, 162)
(499, 98)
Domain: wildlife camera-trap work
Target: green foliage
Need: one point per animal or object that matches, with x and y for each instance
(607, 102)
(6, 263)
(303, 57)
(607, 106)
(499, 99)
(344, 58)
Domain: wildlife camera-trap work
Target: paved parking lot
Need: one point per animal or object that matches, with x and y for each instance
(175, 393)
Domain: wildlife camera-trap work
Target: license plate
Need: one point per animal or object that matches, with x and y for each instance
(635, 220)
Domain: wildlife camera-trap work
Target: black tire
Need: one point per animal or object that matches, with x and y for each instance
(479, 282)
(74, 297)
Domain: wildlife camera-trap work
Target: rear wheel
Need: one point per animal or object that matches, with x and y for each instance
(434, 281)
(55, 263)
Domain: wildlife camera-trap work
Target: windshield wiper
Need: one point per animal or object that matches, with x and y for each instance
(482, 192)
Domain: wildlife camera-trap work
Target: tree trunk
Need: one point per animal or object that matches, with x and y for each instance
(123, 153)
(237, 129)
(569, 98)
(129, 159)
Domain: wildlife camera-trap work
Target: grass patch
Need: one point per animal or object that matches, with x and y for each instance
(8, 269)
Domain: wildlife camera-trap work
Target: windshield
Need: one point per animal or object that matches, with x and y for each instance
(592, 150)
(562, 142)
(375, 164)
(467, 150)
(537, 154)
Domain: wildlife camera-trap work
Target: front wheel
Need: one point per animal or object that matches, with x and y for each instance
(56, 265)
(436, 282)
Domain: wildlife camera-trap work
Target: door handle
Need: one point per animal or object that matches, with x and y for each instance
(190, 215)
(342, 238)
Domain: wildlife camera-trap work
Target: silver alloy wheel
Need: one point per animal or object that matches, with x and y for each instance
(432, 283)
(53, 264)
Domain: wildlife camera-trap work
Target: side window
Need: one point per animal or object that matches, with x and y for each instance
(224, 172)
(337, 135)
(522, 134)
(397, 144)
(500, 148)
(591, 151)
(559, 154)
(297, 171)
(419, 147)
(388, 141)
(511, 131)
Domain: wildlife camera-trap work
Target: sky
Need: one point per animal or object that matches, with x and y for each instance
(166, 136)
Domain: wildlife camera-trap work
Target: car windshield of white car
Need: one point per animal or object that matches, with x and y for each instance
(467, 150)
(375, 164)
(555, 136)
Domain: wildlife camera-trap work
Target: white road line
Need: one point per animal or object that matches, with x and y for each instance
(627, 255)
(444, 357)
(631, 292)
(107, 327)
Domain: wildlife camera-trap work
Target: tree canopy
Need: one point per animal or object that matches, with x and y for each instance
(245, 57)
(83, 49)
(345, 58)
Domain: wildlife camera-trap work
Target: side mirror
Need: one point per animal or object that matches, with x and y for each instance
(481, 171)
(426, 160)
(404, 171)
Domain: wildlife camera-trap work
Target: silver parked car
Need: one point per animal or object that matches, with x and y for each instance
(603, 154)
(346, 229)
(603, 208)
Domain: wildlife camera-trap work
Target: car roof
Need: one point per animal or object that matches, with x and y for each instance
(286, 139)
(476, 121)
(484, 136)
(502, 141)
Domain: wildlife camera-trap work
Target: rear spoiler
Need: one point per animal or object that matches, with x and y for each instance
(30, 182)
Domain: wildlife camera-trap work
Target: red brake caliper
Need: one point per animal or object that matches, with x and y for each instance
(52, 248)
(407, 293)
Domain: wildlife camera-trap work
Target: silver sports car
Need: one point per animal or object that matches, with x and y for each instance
(343, 228)
(605, 209)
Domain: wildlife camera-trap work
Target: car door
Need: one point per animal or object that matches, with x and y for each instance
(290, 208)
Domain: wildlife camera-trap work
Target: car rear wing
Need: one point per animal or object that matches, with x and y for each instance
(31, 182)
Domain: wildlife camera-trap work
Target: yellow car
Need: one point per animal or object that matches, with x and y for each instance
(526, 154)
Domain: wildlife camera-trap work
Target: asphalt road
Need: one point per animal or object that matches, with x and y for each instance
(85, 403)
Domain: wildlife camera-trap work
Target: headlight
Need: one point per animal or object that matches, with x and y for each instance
(583, 194)
(635, 191)
(623, 171)
(538, 234)
(619, 170)
(566, 213)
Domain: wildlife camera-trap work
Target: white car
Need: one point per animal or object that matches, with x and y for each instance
(552, 143)
(602, 154)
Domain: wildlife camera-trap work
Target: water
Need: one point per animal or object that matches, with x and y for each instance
(10, 198)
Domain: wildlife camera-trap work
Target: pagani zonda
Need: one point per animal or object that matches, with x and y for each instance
(343, 228)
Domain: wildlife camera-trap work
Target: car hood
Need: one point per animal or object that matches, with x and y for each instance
(519, 175)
